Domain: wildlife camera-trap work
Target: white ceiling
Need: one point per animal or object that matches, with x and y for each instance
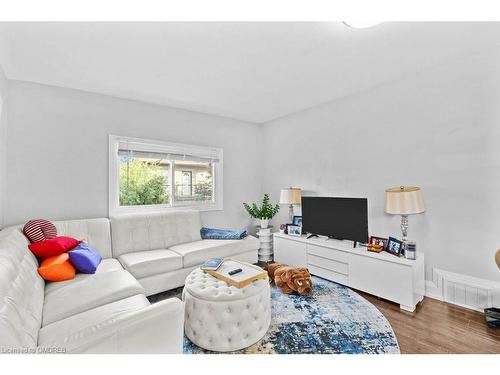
(250, 71)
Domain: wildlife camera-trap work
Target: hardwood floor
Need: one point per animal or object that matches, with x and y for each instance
(438, 327)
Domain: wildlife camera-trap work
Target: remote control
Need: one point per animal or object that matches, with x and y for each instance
(234, 272)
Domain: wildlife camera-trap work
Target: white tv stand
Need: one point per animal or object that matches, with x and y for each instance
(384, 275)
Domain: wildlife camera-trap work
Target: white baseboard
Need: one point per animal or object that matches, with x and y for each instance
(462, 290)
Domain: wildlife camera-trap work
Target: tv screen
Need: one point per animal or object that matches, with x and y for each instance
(340, 218)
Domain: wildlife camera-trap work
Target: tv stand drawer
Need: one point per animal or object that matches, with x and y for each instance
(328, 253)
(329, 264)
(329, 275)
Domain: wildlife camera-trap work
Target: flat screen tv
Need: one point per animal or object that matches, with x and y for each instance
(340, 218)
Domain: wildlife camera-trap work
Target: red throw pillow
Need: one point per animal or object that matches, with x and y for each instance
(57, 268)
(39, 230)
(53, 246)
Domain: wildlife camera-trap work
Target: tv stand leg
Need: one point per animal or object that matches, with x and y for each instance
(407, 308)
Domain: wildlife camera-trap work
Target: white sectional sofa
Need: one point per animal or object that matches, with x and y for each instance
(160, 250)
(108, 312)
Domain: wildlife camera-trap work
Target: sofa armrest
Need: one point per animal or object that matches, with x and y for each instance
(158, 328)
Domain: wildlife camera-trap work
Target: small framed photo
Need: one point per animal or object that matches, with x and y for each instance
(294, 230)
(394, 246)
(374, 240)
(297, 220)
(286, 228)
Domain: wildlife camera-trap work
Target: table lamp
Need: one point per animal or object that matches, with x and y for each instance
(291, 196)
(404, 201)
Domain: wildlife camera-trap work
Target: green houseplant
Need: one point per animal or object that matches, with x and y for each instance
(265, 212)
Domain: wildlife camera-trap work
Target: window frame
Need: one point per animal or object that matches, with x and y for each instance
(114, 207)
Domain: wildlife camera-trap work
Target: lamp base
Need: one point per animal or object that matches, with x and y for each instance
(404, 231)
(404, 227)
(290, 213)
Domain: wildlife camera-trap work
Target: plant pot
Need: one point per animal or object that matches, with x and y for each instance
(264, 223)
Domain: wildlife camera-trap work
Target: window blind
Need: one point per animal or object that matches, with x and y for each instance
(168, 152)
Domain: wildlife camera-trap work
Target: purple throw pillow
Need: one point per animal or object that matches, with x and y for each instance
(84, 258)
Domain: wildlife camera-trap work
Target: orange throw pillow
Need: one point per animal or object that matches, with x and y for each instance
(57, 268)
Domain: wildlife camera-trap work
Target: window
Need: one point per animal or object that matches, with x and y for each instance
(187, 183)
(148, 175)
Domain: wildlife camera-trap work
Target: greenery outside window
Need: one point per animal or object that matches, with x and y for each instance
(149, 175)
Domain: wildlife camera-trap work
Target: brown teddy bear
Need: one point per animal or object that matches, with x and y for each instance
(290, 279)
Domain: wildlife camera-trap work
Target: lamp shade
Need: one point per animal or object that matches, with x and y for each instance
(404, 200)
(291, 196)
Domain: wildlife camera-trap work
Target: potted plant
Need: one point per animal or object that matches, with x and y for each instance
(264, 212)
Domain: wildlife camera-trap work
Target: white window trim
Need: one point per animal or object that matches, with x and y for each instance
(114, 182)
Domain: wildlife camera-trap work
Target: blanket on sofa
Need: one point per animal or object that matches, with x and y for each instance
(222, 234)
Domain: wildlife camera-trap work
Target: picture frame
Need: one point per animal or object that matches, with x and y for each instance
(375, 240)
(394, 246)
(286, 228)
(294, 230)
(297, 220)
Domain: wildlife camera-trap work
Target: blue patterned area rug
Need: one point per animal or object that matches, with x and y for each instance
(333, 319)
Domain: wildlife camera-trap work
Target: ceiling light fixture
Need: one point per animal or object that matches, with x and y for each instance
(361, 24)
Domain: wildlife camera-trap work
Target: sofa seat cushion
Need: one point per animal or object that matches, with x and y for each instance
(56, 333)
(106, 265)
(152, 262)
(197, 252)
(91, 292)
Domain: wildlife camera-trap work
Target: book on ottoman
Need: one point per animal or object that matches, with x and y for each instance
(248, 274)
(212, 264)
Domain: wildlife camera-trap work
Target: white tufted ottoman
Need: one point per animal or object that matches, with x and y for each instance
(224, 318)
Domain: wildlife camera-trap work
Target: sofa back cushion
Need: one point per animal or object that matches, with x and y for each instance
(21, 291)
(96, 233)
(139, 232)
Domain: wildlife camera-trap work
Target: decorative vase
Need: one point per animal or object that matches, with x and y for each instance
(264, 223)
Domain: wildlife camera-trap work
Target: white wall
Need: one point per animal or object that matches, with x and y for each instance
(58, 151)
(3, 152)
(438, 129)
